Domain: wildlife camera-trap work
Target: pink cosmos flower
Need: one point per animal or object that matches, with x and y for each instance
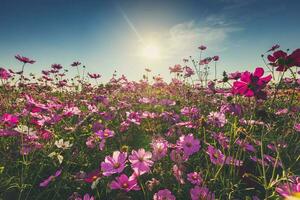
(195, 178)
(289, 188)
(176, 69)
(140, 161)
(251, 84)
(235, 75)
(282, 61)
(215, 155)
(9, 119)
(93, 176)
(164, 194)
(273, 48)
(245, 145)
(160, 148)
(202, 47)
(45, 182)
(4, 74)
(215, 58)
(205, 61)
(201, 193)
(105, 134)
(75, 64)
(24, 59)
(134, 117)
(217, 119)
(56, 66)
(188, 72)
(189, 144)
(222, 139)
(124, 183)
(94, 76)
(86, 197)
(114, 164)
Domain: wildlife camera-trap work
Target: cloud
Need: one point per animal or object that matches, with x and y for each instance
(184, 38)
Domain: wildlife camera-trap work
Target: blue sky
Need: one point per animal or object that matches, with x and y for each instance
(110, 35)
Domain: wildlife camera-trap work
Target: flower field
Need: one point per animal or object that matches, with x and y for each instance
(237, 137)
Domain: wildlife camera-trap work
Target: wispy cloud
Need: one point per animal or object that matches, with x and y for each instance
(184, 38)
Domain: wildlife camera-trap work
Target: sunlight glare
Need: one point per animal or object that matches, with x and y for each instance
(151, 51)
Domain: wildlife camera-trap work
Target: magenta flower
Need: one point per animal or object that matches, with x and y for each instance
(88, 197)
(56, 66)
(215, 58)
(201, 193)
(176, 69)
(217, 119)
(282, 61)
(114, 164)
(202, 47)
(93, 176)
(222, 139)
(75, 64)
(94, 76)
(251, 84)
(160, 148)
(9, 119)
(235, 75)
(195, 178)
(273, 48)
(105, 134)
(205, 61)
(189, 144)
(140, 161)
(24, 59)
(4, 74)
(215, 155)
(124, 183)
(290, 188)
(164, 194)
(46, 182)
(188, 72)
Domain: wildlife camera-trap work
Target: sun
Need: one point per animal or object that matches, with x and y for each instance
(151, 51)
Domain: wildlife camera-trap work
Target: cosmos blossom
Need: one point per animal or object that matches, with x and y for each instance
(24, 59)
(4, 74)
(124, 183)
(9, 119)
(141, 161)
(282, 61)
(46, 182)
(104, 134)
(164, 194)
(75, 64)
(251, 84)
(217, 119)
(93, 176)
(114, 164)
(94, 76)
(160, 148)
(215, 155)
(201, 193)
(292, 187)
(274, 47)
(189, 144)
(195, 178)
(202, 47)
